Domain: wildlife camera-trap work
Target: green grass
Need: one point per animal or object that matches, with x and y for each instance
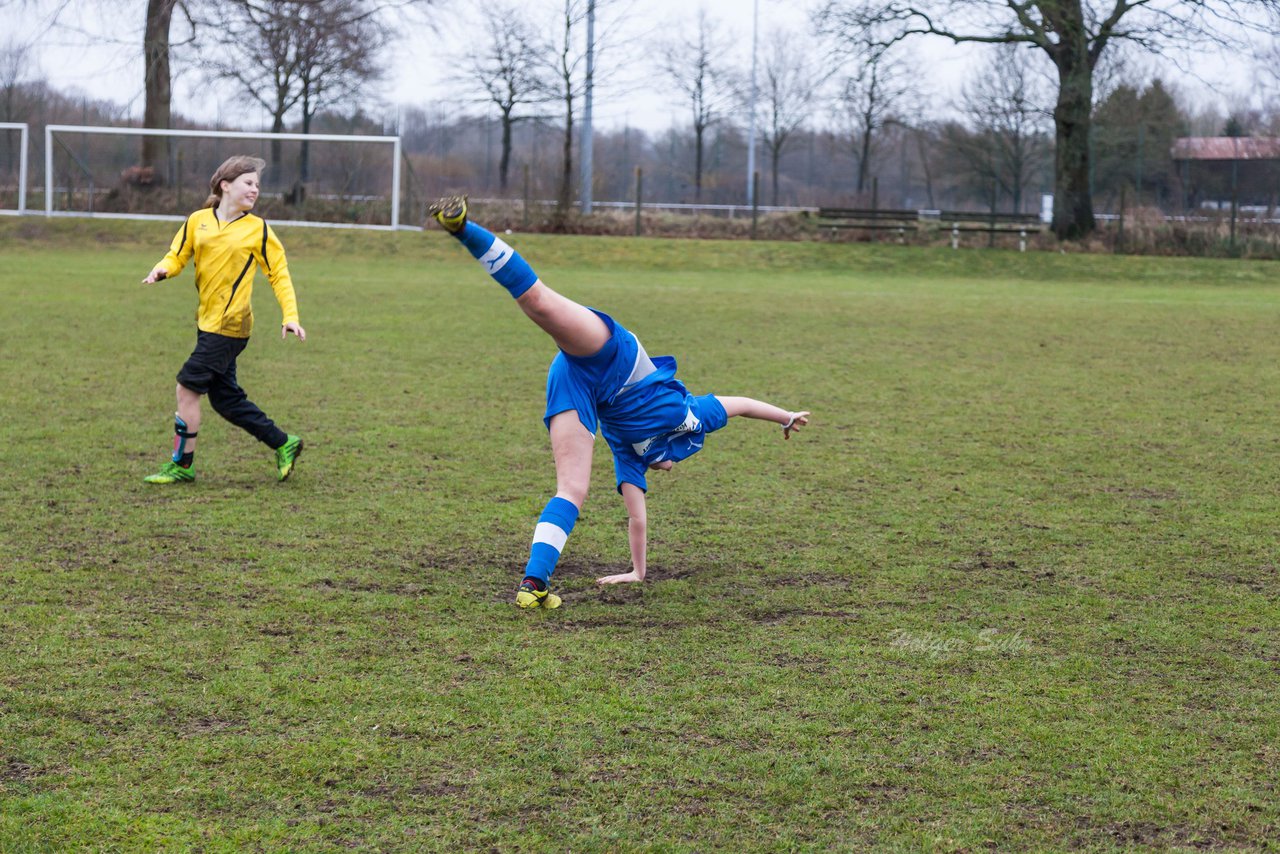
(1015, 588)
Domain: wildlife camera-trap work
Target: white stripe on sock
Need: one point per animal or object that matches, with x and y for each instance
(497, 256)
(552, 535)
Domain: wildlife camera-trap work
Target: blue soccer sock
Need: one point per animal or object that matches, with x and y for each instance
(554, 527)
(502, 262)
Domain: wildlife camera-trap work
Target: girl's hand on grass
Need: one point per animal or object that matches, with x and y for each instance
(798, 420)
(624, 578)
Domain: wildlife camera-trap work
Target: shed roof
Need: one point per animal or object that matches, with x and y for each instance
(1226, 148)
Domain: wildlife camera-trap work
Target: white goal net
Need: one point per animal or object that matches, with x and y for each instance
(136, 173)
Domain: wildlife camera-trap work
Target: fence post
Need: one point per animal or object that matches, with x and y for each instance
(639, 196)
(1235, 199)
(955, 235)
(1022, 240)
(1120, 229)
(527, 194)
(755, 202)
(177, 177)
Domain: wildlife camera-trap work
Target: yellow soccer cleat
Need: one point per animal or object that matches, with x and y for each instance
(450, 212)
(529, 596)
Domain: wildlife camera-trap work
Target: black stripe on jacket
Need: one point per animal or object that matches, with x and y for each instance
(236, 285)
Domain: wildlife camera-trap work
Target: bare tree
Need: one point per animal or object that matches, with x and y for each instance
(509, 72)
(156, 50)
(15, 69)
(304, 54)
(690, 63)
(789, 89)
(1005, 107)
(566, 60)
(565, 52)
(1075, 34)
(870, 97)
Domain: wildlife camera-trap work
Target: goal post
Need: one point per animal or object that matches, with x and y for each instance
(6, 168)
(314, 179)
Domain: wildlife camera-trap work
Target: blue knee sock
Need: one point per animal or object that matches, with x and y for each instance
(500, 260)
(554, 526)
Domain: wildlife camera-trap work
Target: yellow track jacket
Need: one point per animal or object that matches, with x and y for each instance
(227, 255)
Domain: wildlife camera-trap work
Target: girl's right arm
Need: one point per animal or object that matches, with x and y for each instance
(637, 534)
(179, 254)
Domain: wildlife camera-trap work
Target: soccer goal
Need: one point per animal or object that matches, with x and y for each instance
(336, 180)
(13, 167)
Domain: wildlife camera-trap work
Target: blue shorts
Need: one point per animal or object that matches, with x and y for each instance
(585, 383)
(645, 414)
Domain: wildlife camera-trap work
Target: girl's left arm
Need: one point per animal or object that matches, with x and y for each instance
(277, 268)
(637, 534)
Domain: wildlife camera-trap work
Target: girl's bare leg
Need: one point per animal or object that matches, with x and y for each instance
(575, 328)
(189, 412)
(571, 444)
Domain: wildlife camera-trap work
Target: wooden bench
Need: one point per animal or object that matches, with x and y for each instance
(870, 219)
(960, 222)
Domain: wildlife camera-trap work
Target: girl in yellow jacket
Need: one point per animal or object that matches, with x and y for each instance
(228, 244)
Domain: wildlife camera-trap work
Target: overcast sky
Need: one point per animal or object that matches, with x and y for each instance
(100, 58)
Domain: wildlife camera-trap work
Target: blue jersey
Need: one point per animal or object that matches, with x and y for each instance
(645, 414)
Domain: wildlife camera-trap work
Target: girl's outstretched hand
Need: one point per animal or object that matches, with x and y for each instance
(798, 420)
(156, 275)
(623, 578)
(295, 329)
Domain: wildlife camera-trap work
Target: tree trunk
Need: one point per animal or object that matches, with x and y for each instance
(304, 161)
(566, 195)
(928, 170)
(277, 126)
(864, 158)
(504, 163)
(698, 131)
(775, 156)
(566, 177)
(156, 86)
(1072, 117)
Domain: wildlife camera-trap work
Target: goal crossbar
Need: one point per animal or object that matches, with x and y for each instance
(24, 130)
(50, 130)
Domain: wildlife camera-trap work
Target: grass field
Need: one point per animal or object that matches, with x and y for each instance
(1015, 588)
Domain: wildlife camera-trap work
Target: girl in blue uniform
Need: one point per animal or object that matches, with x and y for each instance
(601, 378)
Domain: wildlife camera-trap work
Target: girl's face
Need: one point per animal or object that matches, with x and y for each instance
(242, 193)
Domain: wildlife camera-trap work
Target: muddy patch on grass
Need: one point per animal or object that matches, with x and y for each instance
(627, 620)
(438, 789)
(1142, 493)
(1262, 579)
(369, 585)
(1146, 834)
(806, 663)
(984, 561)
(210, 725)
(17, 771)
(820, 580)
(772, 616)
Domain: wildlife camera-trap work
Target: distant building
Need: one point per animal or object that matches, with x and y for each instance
(1215, 170)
